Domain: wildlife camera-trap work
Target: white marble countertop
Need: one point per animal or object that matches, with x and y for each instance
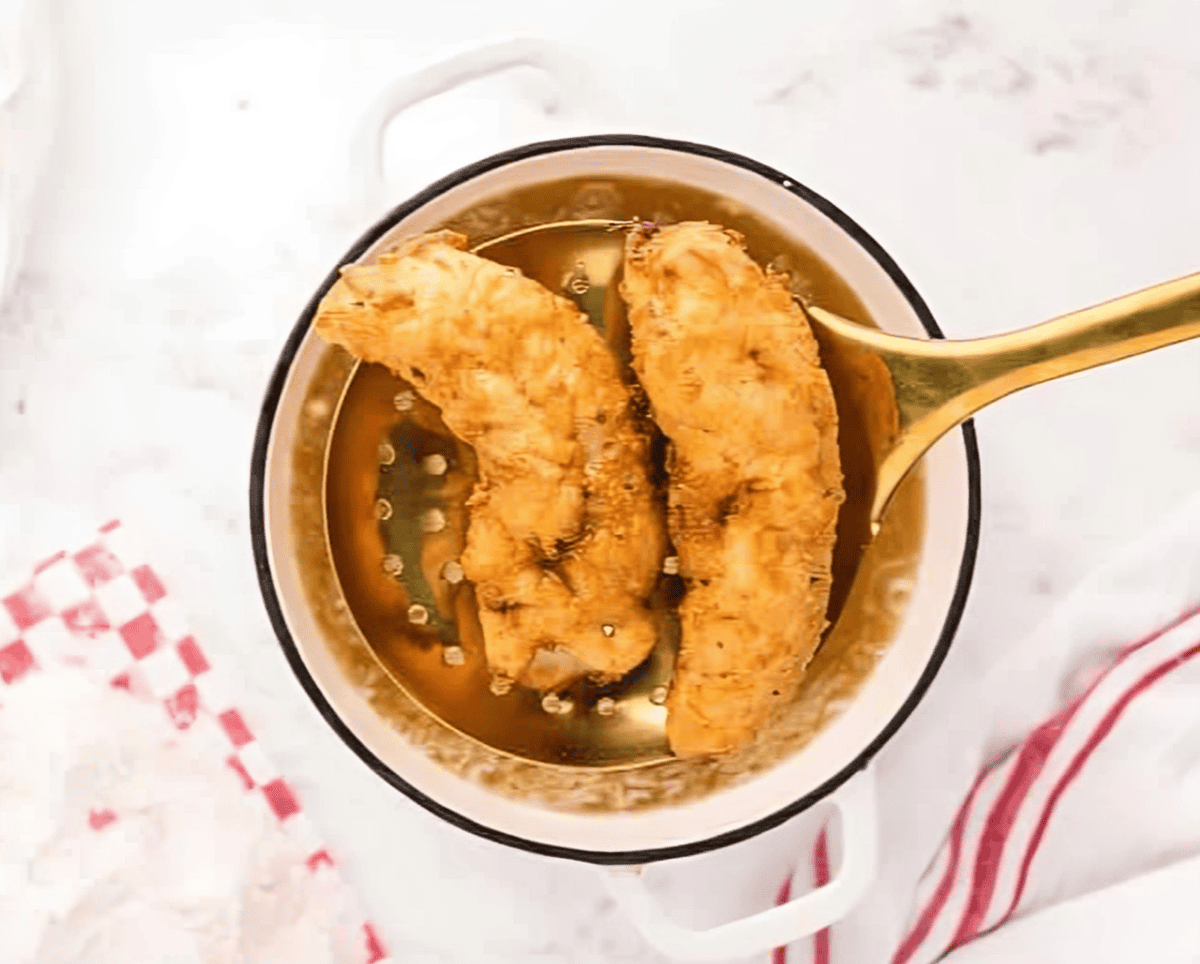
(1017, 164)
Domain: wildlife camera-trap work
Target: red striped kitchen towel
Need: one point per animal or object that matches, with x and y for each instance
(98, 618)
(1080, 839)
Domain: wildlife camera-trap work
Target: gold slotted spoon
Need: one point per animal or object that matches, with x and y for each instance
(896, 396)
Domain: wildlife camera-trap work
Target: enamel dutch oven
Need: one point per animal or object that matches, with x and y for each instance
(896, 608)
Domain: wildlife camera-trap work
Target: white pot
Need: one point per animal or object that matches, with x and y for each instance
(835, 764)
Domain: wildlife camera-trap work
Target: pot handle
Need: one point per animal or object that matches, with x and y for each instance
(778, 926)
(454, 70)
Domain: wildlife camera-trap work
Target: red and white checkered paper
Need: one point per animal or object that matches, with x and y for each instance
(103, 606)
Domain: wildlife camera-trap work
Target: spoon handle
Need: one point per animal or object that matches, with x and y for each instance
(939, 384)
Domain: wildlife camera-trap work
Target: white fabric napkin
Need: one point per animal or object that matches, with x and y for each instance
(1049, 810)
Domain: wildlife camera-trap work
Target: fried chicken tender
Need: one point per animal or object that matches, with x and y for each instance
(565, 538)
(731, 368)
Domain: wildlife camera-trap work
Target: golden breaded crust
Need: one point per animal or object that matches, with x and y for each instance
(565, 534)
(734, 378)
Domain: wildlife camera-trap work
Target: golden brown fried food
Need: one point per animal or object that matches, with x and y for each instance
(565, 538)
(731, 368)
